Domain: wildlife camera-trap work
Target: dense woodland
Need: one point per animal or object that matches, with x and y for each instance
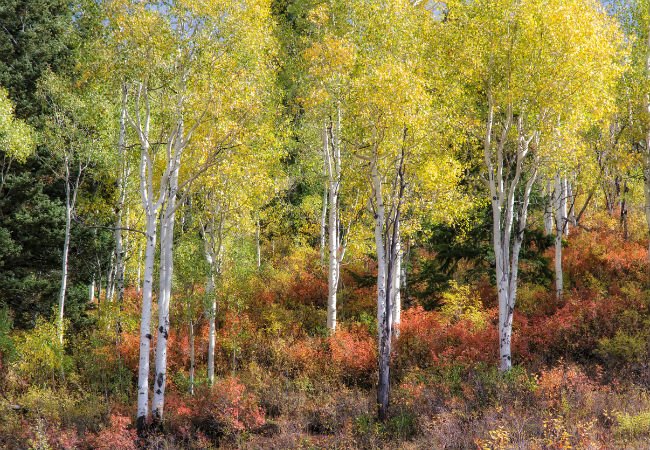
(324, 224)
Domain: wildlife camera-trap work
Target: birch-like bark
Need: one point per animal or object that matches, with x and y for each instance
(258, 244)
(565, 205)
(151, 207)
(396, 301)
(166, 276)
(91, 291)
(191, 329)
(571, 209)
(560, 223)
(213, 247)
(548, 209)
(323, 222)
(383, 299)
(507, 216)
(332, 155)
(145, 321)
(71, 189)
(387, 234)
(646, 169)
(121, 186)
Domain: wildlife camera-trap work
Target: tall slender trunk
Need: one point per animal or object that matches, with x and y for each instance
(396, 301)
(548, 209)
(64, 260)
(110, 279)
(571, 198)
(138, 278)
(565, 205)
(166, 276)
(323, 223)
(560, 223)
(508, 215)
(332, 154)
(258, 243)
(70, 203)
(213, 248)
(333, 272)
(383, 298)
(91, 291)
(212, 326)
(145, 321)
(191, 329)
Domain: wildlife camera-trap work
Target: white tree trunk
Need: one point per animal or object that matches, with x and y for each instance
(145, 320)
(191, 327)
(396, 284)
(332, 155)
(213, 249)
(333, 272)
(323, 223)
(383, 297)
(70, 202)
(507, 215)
(212, 327)
(258, 244)
(166, 276)
(64, 261)
(548, 209)
(138, 278)
(565, 205)
(91, 291)
(560, 224)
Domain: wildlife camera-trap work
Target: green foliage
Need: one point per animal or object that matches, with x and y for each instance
(460, 303)
(7, 346)
(623, 348)
(633, 425)
(42, 360)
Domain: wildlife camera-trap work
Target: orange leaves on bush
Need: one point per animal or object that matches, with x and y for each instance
(427, 338)
(564, 383)
(227, 407)
(116, 437)
(354, 352)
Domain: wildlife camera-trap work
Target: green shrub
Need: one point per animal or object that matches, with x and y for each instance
(633, 426)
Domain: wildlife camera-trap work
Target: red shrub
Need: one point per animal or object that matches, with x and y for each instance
(117, 437)
(224, 409)
(354, 352)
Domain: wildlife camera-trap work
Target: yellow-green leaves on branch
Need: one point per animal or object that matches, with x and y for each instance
(17, 139)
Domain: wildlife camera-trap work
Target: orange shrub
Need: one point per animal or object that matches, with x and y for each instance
(116, 437)
(225, 409)
(354, 352)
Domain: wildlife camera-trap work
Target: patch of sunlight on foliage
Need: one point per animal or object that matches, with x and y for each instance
(41, 359)
(460, 303)
(632, 425)
(623, 348)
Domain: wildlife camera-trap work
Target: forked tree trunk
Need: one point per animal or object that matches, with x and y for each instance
(166, 277)
(507, 216)
(332, 157)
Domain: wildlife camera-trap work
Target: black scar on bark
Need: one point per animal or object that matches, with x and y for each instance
(159, 379)
(141, 426)
(148, 336)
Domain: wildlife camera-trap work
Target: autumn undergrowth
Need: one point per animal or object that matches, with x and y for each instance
(580, 379)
